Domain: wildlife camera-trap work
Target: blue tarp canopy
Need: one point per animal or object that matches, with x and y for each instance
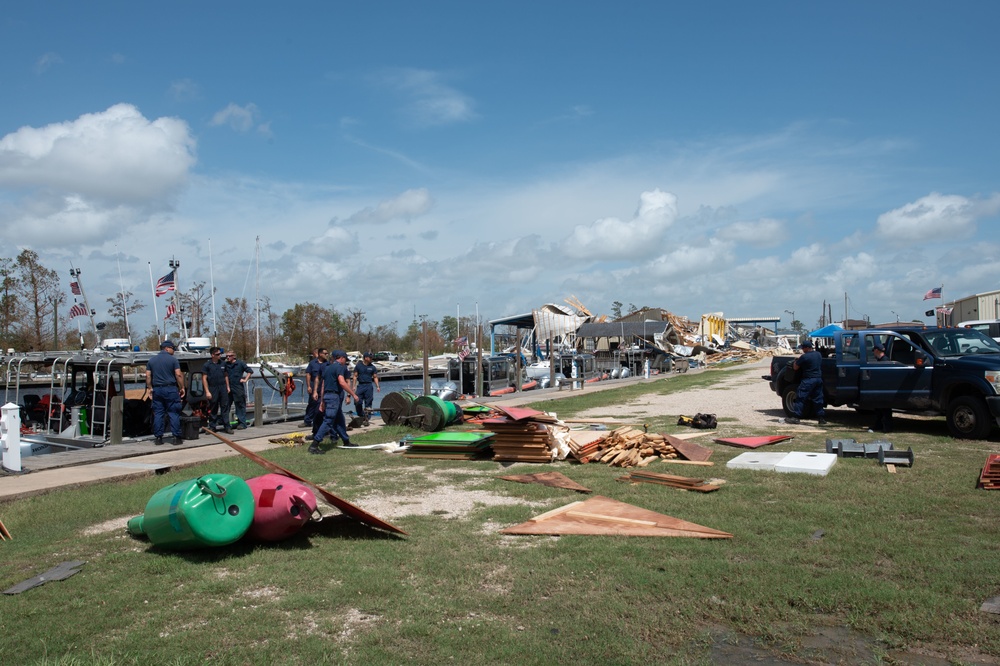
(826, 332)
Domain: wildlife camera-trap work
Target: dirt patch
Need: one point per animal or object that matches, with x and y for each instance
(113, 525)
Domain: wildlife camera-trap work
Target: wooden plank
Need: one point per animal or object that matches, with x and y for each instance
(701, 463)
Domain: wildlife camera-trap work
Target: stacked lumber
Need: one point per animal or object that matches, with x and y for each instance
(522, 440)
(990, 477)
(630, 447)
(682, 482)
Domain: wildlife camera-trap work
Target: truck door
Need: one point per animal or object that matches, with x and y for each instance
(848, 370)
(897, 381)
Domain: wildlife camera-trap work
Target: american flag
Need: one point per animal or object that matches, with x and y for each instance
(75, 288)
(933, 293)
(165, 284)
(77, 311)
(171, 308)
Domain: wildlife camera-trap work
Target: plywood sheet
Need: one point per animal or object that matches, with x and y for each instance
(752, 442)
(604, 516)
(551, 479)
(349, 509)
(689, 450)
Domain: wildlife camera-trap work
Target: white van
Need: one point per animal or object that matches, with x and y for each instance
(990, 327)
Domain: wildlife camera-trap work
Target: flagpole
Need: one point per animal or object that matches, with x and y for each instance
(211, 278)
(152, 289)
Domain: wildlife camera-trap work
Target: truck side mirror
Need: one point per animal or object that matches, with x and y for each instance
(919, 358)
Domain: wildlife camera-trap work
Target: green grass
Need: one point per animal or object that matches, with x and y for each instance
(905, 559)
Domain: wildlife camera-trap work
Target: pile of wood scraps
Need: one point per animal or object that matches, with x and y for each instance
(472, 445)
(628, 447)
(522, 435)
(682, 482)
(990, 477)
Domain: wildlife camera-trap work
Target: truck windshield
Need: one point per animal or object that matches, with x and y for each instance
(961, 342)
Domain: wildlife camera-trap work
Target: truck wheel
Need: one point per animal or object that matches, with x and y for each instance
(788, 399)
(968, 418)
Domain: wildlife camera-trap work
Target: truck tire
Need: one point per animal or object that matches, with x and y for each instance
(788, 399)
(968, 418)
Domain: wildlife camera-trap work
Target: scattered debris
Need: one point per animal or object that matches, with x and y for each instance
(468, 445)
(59, 572)
(628, 447)
(753, 442)
(690, 450)
(889, 457)
(4, 534)
(989, 479)
(604, 516)
(551, 479)
(681, 482)
(699, 421)
(991, 605)
(291, 439)
(346, 507)
(849, 448)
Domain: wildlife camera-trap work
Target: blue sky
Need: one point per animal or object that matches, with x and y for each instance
(402, 157)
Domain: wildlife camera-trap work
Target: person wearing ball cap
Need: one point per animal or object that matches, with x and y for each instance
(810, 391)
(333, 386)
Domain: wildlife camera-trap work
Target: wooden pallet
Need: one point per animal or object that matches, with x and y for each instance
(990, 477)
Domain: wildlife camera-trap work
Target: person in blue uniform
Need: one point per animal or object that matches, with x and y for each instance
(238, 374)
(314, 375)
(809, 365)
(165, 382)
(365, 383)
(216, 385)
(332, 388)
(883, 415)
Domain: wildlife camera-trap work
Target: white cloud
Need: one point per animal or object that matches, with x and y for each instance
(184, 90)
(612, 238)
(406, 206)
(935, 216)
(431, 101)
(765, 232)
(239, 118)
(46, 61)
(82, 176)
(115, 155)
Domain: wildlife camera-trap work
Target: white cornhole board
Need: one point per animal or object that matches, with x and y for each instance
(795, 461)
(756, 460)
(807, 463)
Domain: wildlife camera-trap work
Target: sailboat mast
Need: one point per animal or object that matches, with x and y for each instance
(257, 294)
(121, 284)
(211, 278)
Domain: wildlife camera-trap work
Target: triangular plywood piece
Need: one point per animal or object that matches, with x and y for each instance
(518, 413)
(604, 516)
(551, 479)
(353, 511)
(689, 450)
(752, 442)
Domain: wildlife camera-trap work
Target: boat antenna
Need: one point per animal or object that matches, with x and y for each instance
(257, 294)
(75, 273)
(152, 290)
(211, 278)
(121, 283)
(182, 327)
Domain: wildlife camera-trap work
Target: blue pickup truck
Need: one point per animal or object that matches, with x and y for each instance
(954, 372)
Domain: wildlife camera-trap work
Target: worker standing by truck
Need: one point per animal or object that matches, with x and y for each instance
(811, 384)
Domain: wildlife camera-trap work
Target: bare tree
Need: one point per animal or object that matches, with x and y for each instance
(237, 327)
(196, 305)
(37, 289)
(117, 307)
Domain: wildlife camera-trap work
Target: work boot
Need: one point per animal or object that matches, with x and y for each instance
(158, 441)
(793, 420)
(227, 429)
(178, 441)
(241, 426)
(822, 421)
(349, 445)
(315, 450)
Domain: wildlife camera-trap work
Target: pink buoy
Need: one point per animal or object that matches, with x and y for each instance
(282, 506)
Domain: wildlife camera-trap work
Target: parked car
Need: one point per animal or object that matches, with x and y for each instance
(954, 372)
(990, 327)
(385, 356)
